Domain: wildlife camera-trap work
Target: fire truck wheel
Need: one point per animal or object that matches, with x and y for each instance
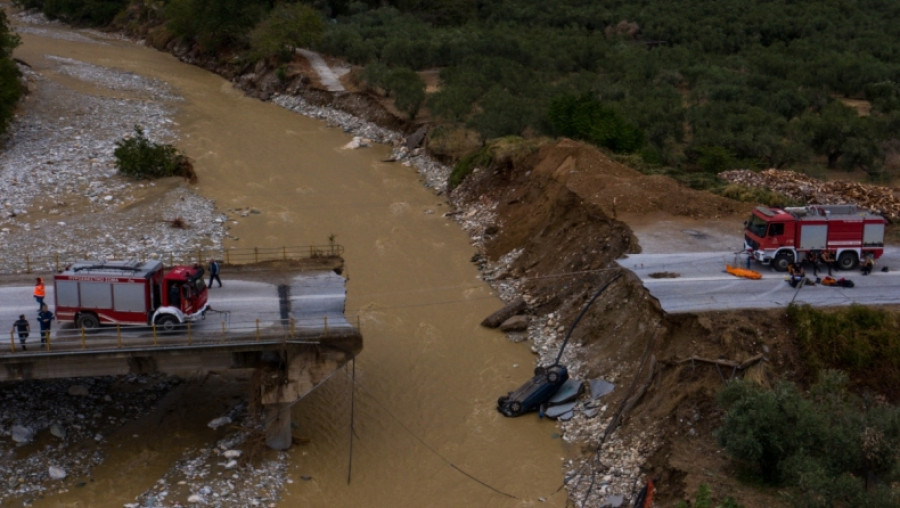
(847, 260)
(782, 260)
(166, 323)
(87, 321)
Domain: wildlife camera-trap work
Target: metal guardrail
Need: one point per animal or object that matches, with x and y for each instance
(201, 255)
(225, 332)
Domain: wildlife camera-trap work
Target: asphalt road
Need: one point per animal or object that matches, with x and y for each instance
(313, 300)
(697, 281)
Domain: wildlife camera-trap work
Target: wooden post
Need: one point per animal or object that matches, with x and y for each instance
(190, 335)
(325, 320)
(119, 335)
(12, 342)
(257, 329)
(83, 342)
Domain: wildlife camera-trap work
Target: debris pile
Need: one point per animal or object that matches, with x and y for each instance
(878, 199)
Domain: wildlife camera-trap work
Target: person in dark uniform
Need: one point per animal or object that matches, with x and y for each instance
(23, 328)
(174, 295)
(45, 318)
(828, 259)
(814, 256)
(214, 273)
(868, 265)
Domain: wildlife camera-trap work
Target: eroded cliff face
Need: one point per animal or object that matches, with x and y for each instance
(549, 225)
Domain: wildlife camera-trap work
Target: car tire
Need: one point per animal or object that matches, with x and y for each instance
(87, 321)
(502, 400)
(515, 408)
(539, 371)
(553, 376)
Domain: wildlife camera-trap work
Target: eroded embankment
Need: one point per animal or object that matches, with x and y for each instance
(546, 223)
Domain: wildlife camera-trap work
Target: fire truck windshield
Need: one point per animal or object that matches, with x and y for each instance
(757, 226)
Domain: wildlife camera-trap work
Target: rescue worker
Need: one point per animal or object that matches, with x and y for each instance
(828, 258)
(214, 273)
(797, 274)
(39, 292)
(45, 318)
(868, 265)
(813, 258)
(175, 295)
(23, 328)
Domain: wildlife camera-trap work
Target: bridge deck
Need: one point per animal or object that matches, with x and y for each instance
(250, 316)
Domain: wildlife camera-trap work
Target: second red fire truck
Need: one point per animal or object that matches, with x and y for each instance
(781, 236)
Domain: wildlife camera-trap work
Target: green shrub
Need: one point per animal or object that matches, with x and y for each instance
(467, 164)
(835, 448)
(704, 500)
(11, 88)
(585, 118)
(138, 157)
(284, 29)
(862, 340)
(408, 89)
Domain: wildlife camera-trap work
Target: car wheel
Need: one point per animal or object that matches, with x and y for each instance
(782, 260)
(553, 376)
(847, 260)
(87, 321)
(166, 323)
(515, 408)
(502, 400)
(539, 371)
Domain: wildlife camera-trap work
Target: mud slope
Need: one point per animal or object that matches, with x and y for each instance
(554, 229)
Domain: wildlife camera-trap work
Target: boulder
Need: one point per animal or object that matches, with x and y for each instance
(511, 309)
(516, 323)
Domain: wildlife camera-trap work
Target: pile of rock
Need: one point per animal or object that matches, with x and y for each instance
(878, 199)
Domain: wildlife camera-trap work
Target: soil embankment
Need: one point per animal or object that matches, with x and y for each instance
(549, 228)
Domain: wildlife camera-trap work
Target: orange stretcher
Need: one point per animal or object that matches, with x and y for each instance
(743, 272)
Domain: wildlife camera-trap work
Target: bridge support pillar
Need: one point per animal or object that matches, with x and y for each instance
(278, 426)
(293, 375)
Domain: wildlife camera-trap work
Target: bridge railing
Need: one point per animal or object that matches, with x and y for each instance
(201, 255)
(210, 331)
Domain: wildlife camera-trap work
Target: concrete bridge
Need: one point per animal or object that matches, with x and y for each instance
(287, 324)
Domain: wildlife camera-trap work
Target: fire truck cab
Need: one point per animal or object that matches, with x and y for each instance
(130, 293)
(781, 236)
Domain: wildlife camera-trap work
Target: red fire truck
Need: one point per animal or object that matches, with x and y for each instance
(129, 293)
(780, 236)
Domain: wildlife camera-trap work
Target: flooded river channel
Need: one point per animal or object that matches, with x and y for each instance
(426, 432)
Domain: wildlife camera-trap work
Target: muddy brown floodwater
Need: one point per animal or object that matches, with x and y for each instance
(426, 431)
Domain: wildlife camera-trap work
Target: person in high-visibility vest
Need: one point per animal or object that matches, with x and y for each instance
(39, 292)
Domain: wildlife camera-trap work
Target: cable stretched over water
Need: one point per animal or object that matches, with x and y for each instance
(437, 453)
